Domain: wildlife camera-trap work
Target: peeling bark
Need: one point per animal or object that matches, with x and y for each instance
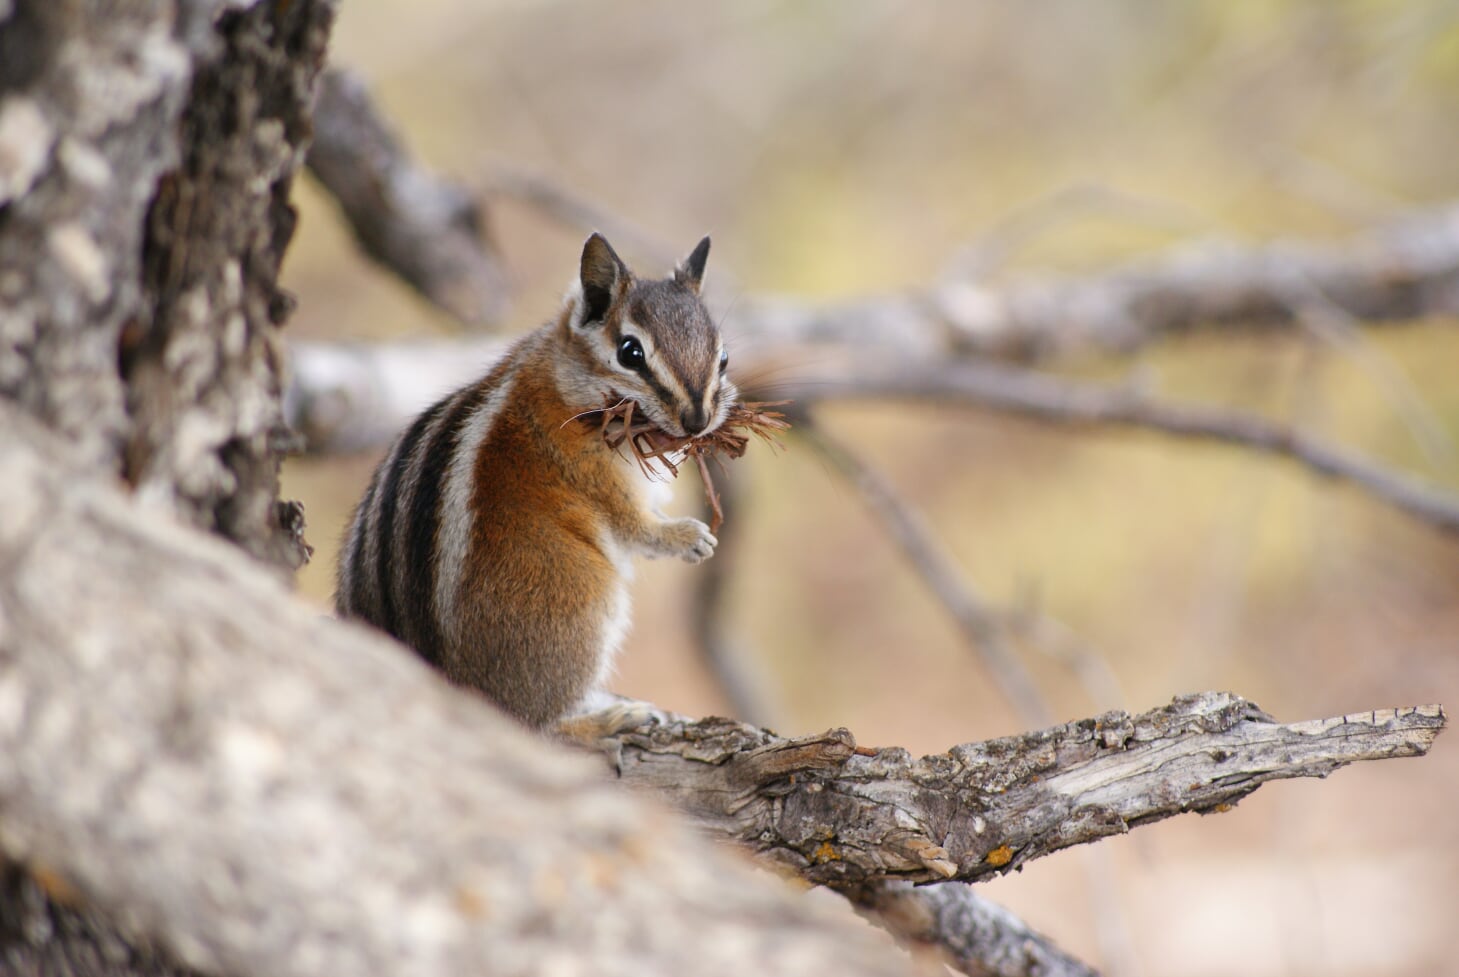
(839, 815)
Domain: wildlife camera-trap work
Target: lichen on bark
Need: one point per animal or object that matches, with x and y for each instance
(147, 152)
(147, 149)
(204, 372)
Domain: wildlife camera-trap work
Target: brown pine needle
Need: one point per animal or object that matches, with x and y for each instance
(649, 444)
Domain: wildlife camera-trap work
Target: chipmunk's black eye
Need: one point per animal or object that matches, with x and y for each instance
(630, 353)
(723, 360)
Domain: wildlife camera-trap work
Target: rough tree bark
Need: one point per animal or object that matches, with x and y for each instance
(146, 155)
(177, 758)
(266, 791)
(89, 104)
(202, 361)
(840, 815)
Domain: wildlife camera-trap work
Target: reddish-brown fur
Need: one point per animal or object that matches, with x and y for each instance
(552, 515)
(536, 574)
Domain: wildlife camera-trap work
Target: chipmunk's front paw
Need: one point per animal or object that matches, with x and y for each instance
(688, 539)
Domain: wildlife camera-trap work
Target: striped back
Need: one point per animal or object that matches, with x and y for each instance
(615, 339)
(401, 561)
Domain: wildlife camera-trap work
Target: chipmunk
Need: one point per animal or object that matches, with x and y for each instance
(496, 537)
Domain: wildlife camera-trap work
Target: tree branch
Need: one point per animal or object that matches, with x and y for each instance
(266, 791)
(1052, 399)
(430, 232)
(353, 397)
(357, 396)
(978, 937)
(1403, 270)
(843, 816)
(975, 618)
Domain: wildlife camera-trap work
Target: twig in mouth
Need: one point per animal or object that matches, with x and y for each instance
(648, 443)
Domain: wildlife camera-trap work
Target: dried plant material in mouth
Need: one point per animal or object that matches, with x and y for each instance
(647, 443)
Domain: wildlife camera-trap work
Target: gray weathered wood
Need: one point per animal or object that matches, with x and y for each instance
(978, 937)
(430, 232)
(146, 155)
(266, 791)
(844, 816)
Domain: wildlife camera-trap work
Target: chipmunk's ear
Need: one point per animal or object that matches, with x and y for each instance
(604, 278)
(691, 270)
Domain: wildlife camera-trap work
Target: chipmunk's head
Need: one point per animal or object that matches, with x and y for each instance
(651, 342)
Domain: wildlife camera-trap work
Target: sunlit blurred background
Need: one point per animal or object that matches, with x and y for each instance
(833, 148)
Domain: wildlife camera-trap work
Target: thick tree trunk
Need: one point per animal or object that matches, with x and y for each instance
(203, 364)
(146, 153)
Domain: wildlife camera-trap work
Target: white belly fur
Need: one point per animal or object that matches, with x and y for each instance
(655, 493)
(619, 616)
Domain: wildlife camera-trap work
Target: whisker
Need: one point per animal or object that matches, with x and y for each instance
(592, 410)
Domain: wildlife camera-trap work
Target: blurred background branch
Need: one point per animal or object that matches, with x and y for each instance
(979, 938)
(1228, 224)
(422, 227)
(358, 397)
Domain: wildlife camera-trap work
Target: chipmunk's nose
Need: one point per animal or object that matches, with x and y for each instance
(694, 419)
